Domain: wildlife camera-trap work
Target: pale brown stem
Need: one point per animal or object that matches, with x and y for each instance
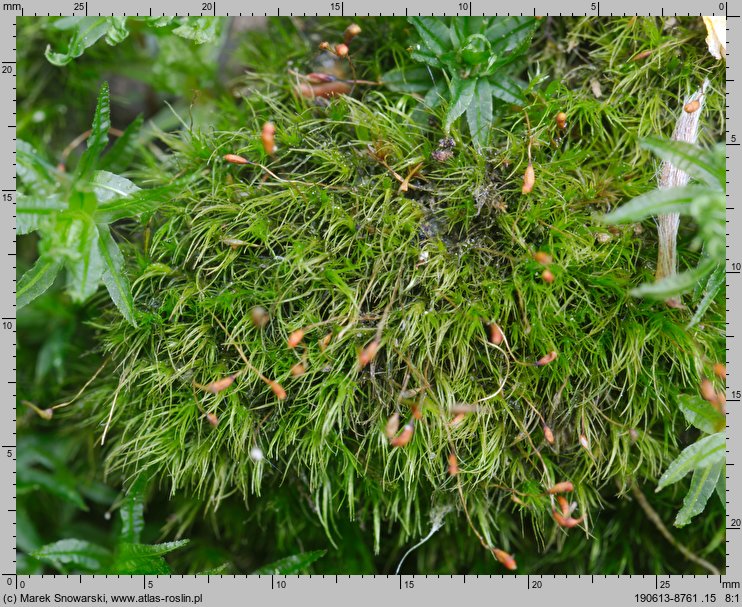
(657, 521)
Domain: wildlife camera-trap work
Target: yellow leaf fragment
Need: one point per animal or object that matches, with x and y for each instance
(717, 35)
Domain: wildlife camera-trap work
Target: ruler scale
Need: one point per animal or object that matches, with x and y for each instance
(381, 589)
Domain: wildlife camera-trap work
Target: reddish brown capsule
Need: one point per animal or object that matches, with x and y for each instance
(720, 371)
(351, 32)
(692, 106)
(323, 46)
(506, 560)
(366, 355)
(325, 341)
(235, 159)
(548, 435)
(545, 360)
(392, 426)
(295, 338)
(404, 438)
(496, 334)
(341, 50)
(529, 178)
(641, 55)
(212, 419)
(297, 370)
(563, 487)
(707, 390)
(234, 243)
(547, 276)
(268, 138)
(259, 316)
(453, 464)
(277, 390)
(417, 412)
(324, 90)
(318, 78)
(563, 505)
(458, 418)
(566, 521)
(221, 384)
(543, 258)
(561, 120)
(576, 521)
(559, 518)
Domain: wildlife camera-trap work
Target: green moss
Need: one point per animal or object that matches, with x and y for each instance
(332, 240)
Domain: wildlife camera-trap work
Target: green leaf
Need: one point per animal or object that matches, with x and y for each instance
(457, 32)
(701, 414)
(463, 27)
(33, 212)
(710, 214)
(702, 485)
(117, 30)
(676, 284)
(436, 95)
(715, 282)
(721, 486)
(98, 133)
(423, 55)
(37, 280)
(137, 551)
(135, 204)
(77, 553)
(143, 201)
(408, 79)
(61, 483)
(657, 202)
(153, 565)
(294, 564)
(108, 187)
(113, 274)
(434, 33)
(65, 24)
(222, 569)
(689, 158)
(159, 21)
(32, 169)
(28, 537)
(506, 89)
(199, 29)
(86, 32)
(479, 114)
(508, 33)
(132, 513)
(705, 452)
(144, 559)
(119, 157)
(86, 267)
(462, 94)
